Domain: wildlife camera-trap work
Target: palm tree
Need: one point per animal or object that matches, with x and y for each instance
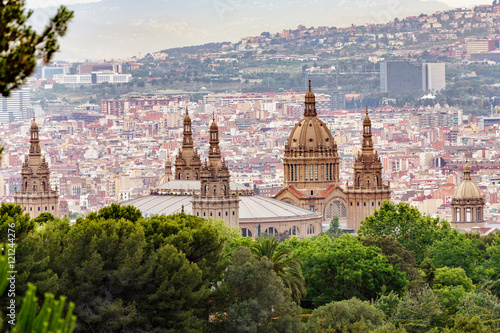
(285, 266)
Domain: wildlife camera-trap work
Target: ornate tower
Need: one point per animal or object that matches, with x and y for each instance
(36, 196)
(367, 192)
(216, 199)
(187, 162)
(467, 205)
(311, 166)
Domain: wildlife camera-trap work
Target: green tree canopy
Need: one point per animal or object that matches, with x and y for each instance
(21, 46)
(13, 214)
(396, 254)
(284, 265)
(116, 212)
(416, 232)
(482, 304)
(450, 284)
(457, 250)
(151, 274)
(256, 299)
(342, 268)
(336, 317)
(418, 310)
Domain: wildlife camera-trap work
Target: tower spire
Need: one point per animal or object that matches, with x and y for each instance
(367, 133)
(467, 170)
(310, 103)
(34, 140)
(214, 150)
(187, 140)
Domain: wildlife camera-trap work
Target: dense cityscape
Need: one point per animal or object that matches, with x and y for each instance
(317, 179)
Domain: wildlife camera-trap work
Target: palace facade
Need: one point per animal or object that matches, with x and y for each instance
(311, 172)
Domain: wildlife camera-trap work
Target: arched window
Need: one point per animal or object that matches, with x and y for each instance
(335, 208)
(359, 181)
(246, 232)
(271, 231)
(294, 231)
(468, 215)
(310, 229)
(376, 181)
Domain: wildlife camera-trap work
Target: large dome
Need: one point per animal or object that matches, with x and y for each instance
(467, 189)
(311, 132)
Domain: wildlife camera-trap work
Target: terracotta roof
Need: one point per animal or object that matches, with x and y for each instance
(296, 192)
(327, 191)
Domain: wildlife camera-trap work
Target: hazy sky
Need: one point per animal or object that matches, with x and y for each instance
(122, 28)
(48, 3)
(457, 3)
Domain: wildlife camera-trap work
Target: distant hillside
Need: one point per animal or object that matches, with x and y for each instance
(209, 47)
(123, 28)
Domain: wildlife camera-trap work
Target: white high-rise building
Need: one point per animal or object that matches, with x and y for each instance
(434, 76)
(17, 106)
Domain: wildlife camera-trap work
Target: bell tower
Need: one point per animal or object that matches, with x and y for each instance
(216, 200)
(36, 195)
(187, 162)
(368, 191)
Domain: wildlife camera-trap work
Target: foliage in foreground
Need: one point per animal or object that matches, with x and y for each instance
(21, 46)
(183, 273)
(48, 319)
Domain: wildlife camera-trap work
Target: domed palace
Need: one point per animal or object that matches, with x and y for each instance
(311, 166)
(311, 172)
(467, 204)
(311, 195)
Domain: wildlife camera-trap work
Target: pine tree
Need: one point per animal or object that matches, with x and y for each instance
(21, 46)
